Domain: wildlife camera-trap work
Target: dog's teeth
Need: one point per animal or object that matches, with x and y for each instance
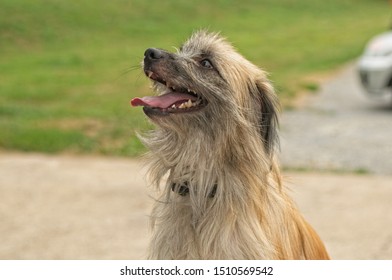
(150, 74)
(185, 105)
(189, 90)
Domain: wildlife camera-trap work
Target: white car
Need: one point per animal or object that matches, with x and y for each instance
(375, 65)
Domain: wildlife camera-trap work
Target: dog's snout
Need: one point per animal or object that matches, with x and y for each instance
(153, 54)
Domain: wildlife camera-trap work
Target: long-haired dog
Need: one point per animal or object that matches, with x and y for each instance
(213, 150)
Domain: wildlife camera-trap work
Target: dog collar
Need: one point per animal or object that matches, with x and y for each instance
(183, 189)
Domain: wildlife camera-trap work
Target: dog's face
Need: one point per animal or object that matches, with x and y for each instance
(187, 82)
(206, 83)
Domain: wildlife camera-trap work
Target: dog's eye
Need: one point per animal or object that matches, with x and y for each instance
(206, 63)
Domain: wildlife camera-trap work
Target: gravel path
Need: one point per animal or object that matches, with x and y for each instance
(339, 129)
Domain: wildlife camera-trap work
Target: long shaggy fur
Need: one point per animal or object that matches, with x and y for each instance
(226, 149)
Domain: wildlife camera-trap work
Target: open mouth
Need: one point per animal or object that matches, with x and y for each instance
(173, 100)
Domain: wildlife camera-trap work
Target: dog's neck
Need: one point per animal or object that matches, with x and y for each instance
(201, 161)
(228, 179)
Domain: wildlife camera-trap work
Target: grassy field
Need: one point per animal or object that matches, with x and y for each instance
(69, 68)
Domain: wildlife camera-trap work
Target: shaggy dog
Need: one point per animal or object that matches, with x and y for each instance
(213, 156)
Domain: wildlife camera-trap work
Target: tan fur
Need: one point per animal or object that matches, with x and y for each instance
(231, 144)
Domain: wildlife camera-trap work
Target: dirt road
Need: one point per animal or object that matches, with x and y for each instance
(60, 207)
(63, 207)
(71, 208)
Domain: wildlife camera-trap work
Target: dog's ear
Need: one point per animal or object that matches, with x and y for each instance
(268, 118)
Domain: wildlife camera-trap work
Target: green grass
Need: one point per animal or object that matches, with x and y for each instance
(69, 68)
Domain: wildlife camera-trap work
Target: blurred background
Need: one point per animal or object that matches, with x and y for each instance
(68, 70)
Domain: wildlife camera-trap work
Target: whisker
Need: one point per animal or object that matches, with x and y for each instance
(127, 71)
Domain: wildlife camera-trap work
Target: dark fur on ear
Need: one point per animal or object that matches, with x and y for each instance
(269, 120)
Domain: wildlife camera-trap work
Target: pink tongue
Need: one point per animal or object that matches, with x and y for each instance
(162, 101)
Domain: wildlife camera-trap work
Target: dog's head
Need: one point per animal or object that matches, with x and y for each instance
(207, 86)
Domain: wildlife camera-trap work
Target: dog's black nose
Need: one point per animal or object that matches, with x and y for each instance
(153, 54)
